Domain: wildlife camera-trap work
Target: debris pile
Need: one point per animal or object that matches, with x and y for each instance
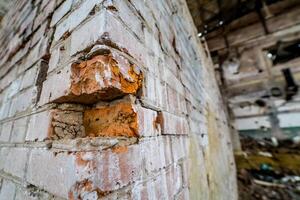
(269, 169)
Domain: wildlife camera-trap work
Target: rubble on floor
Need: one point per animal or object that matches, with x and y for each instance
(268, 169)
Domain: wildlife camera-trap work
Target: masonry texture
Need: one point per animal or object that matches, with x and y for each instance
(109, 99)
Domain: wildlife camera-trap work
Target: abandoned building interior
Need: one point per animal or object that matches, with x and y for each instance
(160, 99)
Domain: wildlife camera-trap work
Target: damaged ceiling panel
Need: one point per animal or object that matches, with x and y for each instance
(255, 47)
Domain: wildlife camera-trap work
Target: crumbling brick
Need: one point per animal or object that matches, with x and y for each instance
(119, 119)
(106, 145)
(67, 125)
(106, 76)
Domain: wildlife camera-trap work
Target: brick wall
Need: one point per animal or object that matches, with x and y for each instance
(109, 99)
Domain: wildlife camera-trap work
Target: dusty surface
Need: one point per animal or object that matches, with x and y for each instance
(66, 125)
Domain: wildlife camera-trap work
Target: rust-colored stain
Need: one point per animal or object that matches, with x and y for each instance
(71, 195)
(114, 120)
(120, 149)
(106, 76)
(159, 121)
(81, 187)
(80, 161)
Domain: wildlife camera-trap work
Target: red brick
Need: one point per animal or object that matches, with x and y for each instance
(102, 77)
(119, 119)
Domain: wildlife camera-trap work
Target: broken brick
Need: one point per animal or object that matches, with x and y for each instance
(119, 119)
(101, 77)
(66, 125)
(106, 76)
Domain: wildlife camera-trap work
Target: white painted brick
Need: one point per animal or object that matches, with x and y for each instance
(172, 81)
(9, 77)
(14, 43)
(61, 11)
(44, 3)
(55, 174)
(39, 34)
(23, 101)
(54, 59)
(154, 160)
(16, 162)
(147, 122)
(38, 126)
(126, 13)
(56, 85)
(88, 33)
(30, 77)
(3, 154)
(5, 131)
(149, 92)
(8, 190)
(105, 22)
(31, 194)
(145, 12)
(19, 130)
(75, 18)
(4, 109)
(174, 125)
(44, 13)
(36, 53)
(28, 22)
(14, 88)
(179, 149)
(161, 91)
(21, 54)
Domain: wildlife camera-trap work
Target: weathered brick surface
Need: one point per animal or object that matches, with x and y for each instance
(8, 190)
(113, 120)
(5, 131)
(102, 77)
(15, 162)
(49, 172)
(39, 126)
(111, 99)
(19, 130)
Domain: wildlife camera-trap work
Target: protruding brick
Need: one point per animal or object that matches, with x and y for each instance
(101, 77)
(106, 76)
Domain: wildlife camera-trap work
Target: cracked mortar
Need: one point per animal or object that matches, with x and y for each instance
(67, 125)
